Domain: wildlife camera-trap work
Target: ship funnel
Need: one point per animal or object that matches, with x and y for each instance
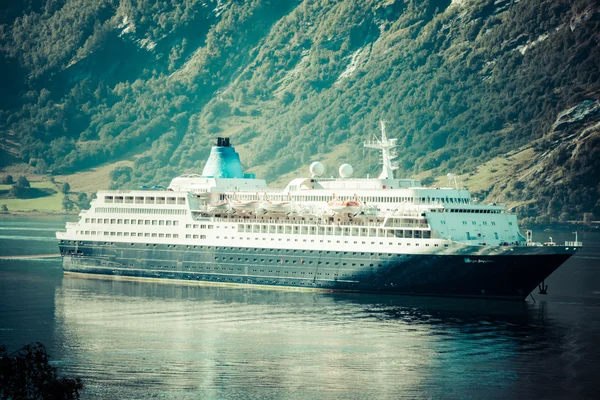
(224, 161)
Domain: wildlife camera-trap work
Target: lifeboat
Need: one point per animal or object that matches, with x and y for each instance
(222, 206)
(245, 205)
(276, 206)
(344, 206)
(270, 206)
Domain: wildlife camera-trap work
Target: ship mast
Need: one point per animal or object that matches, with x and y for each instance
(387, 153)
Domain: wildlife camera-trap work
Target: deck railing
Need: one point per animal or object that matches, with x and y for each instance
(319, 223)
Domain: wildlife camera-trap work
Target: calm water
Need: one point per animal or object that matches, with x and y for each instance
(141, 340)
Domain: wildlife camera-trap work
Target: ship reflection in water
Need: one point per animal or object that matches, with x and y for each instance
(133, 339)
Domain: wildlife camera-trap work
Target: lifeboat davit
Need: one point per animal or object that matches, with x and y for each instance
(344, 206)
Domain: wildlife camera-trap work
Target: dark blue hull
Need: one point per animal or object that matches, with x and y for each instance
(511, 275)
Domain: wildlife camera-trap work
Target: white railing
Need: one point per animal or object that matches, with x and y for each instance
(318, 223)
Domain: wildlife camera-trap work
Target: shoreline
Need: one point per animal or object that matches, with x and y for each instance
(36, 213)
(561, 227)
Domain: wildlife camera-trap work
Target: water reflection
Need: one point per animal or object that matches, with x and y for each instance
(220, 342)
(140, 340)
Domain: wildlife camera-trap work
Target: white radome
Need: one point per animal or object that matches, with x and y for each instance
(346, 170)
(316, 169)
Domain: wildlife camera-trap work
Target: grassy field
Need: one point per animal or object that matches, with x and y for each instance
(51, 203)
(93, 179)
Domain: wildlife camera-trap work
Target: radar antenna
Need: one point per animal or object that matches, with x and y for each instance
(387, 152)
(453, 179)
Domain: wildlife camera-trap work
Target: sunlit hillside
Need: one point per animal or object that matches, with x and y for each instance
(503, 93)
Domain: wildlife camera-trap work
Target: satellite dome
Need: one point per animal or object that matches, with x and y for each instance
(346, 170)
(316, 169)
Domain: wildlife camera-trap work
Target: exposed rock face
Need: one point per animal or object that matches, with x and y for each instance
(583, 113)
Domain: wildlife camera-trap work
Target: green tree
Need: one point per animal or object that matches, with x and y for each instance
(41, 167)
(287, 98)
(67, 204)
(121, 174)
(20, 188)
(83, 202)
(23, 182)
(27, 374)
(8, 180)
(4, 208)
(65, 188)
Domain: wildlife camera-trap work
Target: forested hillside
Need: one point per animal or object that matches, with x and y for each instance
(459, 83)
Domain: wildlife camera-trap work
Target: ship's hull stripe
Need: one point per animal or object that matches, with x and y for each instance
(510, 276)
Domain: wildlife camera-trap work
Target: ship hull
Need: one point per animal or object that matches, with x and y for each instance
(511, 275)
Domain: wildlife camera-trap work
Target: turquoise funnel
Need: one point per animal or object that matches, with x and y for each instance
(224, 161)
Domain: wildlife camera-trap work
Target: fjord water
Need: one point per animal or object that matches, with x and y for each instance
(130, 339)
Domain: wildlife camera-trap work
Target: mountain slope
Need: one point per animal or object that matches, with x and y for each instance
(459, 83)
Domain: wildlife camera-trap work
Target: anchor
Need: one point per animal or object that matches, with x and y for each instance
(543, 288)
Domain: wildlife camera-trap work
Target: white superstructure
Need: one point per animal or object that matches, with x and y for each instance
(338, 214)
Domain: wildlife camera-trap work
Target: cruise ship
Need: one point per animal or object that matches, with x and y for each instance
(378, 235)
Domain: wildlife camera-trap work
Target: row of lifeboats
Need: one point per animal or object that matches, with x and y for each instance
(344, 206)
(336, 206)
